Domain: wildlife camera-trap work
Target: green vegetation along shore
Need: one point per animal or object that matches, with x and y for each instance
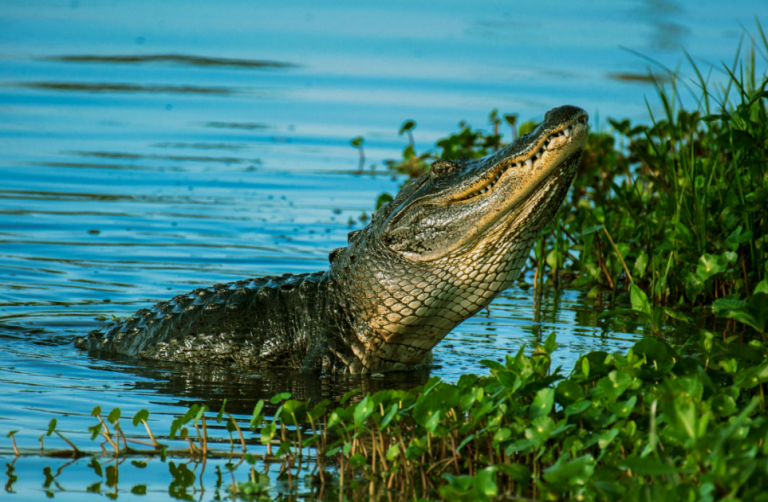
(676, 214)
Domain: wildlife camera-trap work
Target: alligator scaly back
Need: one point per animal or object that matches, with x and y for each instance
(259, 322)
(449, 242)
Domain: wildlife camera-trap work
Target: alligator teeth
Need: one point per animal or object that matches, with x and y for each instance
(567, 132)
(528, 164)
(538, 154)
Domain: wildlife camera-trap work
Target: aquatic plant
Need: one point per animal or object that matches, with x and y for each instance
(657, 423)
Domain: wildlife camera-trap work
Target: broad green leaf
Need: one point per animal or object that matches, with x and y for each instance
(364, 409)
(139, 416)
(639, 300)
(280, 397)
(565, 473)
(647, 466)
(542, 403)
(710, 265)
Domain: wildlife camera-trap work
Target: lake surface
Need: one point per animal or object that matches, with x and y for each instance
(149, 148)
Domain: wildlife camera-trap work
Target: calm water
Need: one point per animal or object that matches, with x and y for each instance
(148, 148)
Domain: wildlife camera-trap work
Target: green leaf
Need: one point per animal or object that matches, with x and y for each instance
(541, 429)
(762, 287)
(280, 397)
(754, 313)
(139, 490)
(383, 199)
(542, 403)
(114, 415)
(96, 411)
(221, 412)
(576, 472)
(139, 416)
(408, 125)
(639, 300)
(647, 466)
(349, 394)
(364, 409)
(722, 304)
(256, 418)
(356, 142)
(710, 265)
(723, 405)
(51, 427)
(641, 263)
(577, 408)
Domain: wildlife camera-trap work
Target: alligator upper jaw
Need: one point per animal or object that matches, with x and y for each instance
(509, 189)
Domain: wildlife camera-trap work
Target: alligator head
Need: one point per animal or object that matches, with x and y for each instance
(451, 241)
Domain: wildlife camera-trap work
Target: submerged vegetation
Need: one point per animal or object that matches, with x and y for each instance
(675, 213)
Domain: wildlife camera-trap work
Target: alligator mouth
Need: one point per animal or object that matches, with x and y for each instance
(546, 154)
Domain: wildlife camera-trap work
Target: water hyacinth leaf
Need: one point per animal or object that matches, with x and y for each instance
(408, 125)
(541, 429)
(96, 411)
(639, 300)
(723, 304)
(647, 466)
(567, 473)
(139, 490)
(710, 265)
(762, 287)
(96, 466)
(485, 481)
(256, 417)
(389, 416)
(568, 392)
(520, 473)
(357, 460)
(491, 364)
(508, 379)
(393, 452)
(51, 427)
(267, 433)
(292, 412)
(577, 408)
(754, 313)
(382, 200)
(638, 270)
(542, 403)
(613, 386)
(606, 438)
(114, 415)
(364, 409)
(141, 415)
(723, 405)
(349, 394)
(280, 397)
(501, 435)
(550, 344)
(623, 409)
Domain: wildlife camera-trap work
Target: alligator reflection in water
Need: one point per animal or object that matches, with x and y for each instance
(210, 385)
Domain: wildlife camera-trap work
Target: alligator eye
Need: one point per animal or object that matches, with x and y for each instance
(441, 167)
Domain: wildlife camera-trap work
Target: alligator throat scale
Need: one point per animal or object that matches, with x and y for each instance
(450, 242)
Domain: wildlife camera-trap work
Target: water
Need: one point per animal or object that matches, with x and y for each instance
(148, 148)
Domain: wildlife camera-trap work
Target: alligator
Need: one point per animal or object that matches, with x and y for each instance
(449, 242)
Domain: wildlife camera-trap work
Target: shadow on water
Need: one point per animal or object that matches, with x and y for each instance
(175, 59)
(127, 88)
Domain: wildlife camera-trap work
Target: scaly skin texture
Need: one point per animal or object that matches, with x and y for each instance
(450, 242)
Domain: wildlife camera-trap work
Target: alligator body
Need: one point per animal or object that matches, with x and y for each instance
(450, 242)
